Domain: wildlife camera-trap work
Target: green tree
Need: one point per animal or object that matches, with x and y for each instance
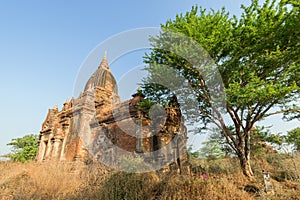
(211, 150)
(193, 153)
(219, 145)
(256, 55)
(24, 149)
(262, 141)
(293, 138)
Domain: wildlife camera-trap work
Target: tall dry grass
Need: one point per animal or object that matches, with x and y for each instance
(94, 181)
(37, 181)
(48, 180)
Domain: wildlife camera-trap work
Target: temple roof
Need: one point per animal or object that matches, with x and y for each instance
(102, 77)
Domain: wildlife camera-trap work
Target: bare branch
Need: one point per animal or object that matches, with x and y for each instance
(282, 111)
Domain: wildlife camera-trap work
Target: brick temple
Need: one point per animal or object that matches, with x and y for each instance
(98, 126)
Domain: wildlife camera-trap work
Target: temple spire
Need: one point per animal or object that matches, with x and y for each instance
(104, 57)
(104, 62)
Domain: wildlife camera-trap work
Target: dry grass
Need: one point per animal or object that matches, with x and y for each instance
(225, 181)
(36, 181)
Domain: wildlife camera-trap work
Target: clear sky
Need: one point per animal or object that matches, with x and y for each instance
(44, 43)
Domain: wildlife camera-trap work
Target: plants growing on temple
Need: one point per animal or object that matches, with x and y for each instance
(145, 105)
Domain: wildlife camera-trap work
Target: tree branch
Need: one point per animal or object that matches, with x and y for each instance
(282, 111)
(235, 121)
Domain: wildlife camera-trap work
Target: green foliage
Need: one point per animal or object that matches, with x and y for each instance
(217, 145)
(193, 154)
(211, 150)
(293, 137)
(24, 149)
(145, 105)
(261, 137)
(150, 108)
(133, 165)
(257, 57)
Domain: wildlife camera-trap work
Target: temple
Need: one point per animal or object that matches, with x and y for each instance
(97, 126)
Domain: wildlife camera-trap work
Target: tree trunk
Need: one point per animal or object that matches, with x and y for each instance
(245, 164)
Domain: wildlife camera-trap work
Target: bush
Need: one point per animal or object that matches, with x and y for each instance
(24, 149)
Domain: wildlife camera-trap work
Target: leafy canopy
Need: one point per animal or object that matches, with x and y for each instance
(293, 137)
(256, 57)
(24, 149)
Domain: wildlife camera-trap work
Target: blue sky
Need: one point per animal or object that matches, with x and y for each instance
(44, 43)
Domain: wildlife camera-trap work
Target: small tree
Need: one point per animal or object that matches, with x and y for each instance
(293, 138)
(263, 141)
(219, 139)
(24, 149)
(193, 153)
(211, 150)
(217, 147)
